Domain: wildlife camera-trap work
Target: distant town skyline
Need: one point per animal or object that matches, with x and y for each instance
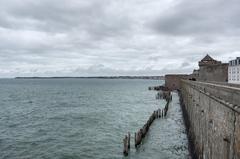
(115, 37)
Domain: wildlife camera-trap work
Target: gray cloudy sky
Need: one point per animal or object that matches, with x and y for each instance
(114, 37)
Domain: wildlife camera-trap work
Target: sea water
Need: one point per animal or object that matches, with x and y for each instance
(86, 118)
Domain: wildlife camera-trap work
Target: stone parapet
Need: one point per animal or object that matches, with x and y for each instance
(212, 112)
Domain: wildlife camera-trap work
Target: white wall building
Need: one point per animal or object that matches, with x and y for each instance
(234, 71)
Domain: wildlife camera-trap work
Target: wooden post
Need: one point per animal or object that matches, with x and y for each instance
(129, 137)
(125, 146)
(165, 111)
(140, 135)
(135, 139)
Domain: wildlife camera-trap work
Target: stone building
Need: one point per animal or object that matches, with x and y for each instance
(233, 71)
(172, 81)
(209, 70)
(195, 75)
(212, 70)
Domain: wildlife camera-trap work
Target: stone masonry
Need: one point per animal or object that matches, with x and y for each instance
(212, 70)
(212, 115)
(172, 81)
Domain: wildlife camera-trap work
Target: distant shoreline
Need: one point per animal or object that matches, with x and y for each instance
(99, 77)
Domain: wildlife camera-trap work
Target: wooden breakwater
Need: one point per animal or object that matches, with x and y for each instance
(164, 95)
(141, 133)
(158, 88)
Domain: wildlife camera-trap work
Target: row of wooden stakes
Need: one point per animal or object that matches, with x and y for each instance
(164, 95)
(144, 130)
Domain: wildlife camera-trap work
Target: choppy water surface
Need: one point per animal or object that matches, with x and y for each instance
(85, 118)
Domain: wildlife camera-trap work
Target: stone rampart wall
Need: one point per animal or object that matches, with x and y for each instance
(212, 115)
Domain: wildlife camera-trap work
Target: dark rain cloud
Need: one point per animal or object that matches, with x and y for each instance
(196, 18)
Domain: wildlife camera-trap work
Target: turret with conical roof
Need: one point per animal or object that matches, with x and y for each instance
(208, 60)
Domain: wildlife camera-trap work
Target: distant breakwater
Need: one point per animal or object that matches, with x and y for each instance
(97, 77)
